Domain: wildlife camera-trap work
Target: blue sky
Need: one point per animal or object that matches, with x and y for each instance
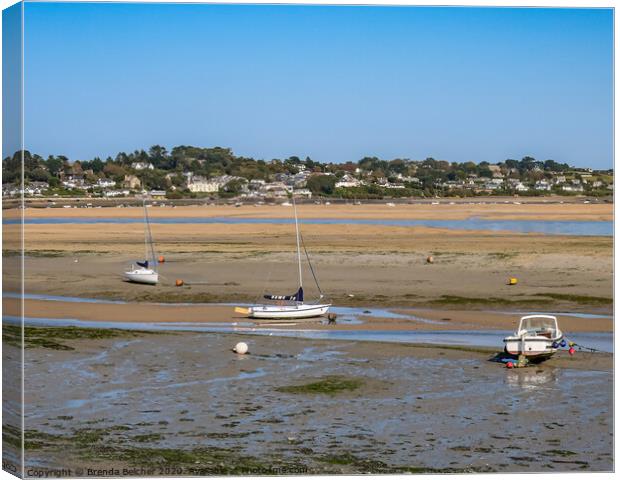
(335, 83)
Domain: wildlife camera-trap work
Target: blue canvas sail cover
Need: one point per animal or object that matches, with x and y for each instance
(298, 297)
(144, 264)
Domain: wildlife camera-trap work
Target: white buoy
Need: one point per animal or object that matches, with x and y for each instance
(241, 348)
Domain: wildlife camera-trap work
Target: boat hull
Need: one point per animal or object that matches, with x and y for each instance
(147, 277)
(532, 347)
(287, 311)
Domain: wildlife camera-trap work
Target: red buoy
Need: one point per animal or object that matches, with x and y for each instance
(161, 259)
(509, 365)
(571, 351)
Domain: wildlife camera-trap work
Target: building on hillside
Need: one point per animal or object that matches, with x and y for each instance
(542, 185)
(105, 183)
(132, 182)
(494, 184)
(302, 192)
(348, 181)
(142, 166)
(197, 184)
(559, 179)
(116, 193)
(496, 171)
(36, 188)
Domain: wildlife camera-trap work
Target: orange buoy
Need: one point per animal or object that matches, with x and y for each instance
(179, 283)
(161, 259)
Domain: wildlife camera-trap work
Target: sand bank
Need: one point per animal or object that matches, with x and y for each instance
(358, 265)
(445, 209)
(417, 319)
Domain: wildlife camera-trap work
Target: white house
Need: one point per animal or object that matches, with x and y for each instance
(277, 187)
(142, 166)
(542, 185)
(105, 183)
(36, 188)
(198, 184)
(302, 192)
(348, 181)
(560, 179)
(116, 193)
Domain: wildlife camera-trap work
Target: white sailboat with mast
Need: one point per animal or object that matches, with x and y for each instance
(291, 306)
(141, 272)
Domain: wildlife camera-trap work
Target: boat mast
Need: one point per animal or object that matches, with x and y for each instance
(148, 238)
(297, 237)
(146, 232)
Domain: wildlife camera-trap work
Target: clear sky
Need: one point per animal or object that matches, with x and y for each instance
(335, 83)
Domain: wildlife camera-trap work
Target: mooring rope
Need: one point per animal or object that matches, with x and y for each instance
(316, 280)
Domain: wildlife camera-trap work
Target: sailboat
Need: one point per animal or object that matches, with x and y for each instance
(291, 306)
(140, 272)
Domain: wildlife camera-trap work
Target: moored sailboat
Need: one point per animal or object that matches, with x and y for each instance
(141, 272)
(291, 306)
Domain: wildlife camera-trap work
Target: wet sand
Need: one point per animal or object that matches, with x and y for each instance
(357, 265)
(185, 402)
(209, 314)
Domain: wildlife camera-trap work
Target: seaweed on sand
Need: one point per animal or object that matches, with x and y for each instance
(47, 337)
(546, 298)
(330, 385)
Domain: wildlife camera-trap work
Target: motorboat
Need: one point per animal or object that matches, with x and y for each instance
(538, 337)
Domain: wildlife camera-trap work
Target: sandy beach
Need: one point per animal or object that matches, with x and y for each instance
(449, 209)
(358, 265)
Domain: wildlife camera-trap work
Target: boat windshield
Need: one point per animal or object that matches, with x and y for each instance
(537, 324)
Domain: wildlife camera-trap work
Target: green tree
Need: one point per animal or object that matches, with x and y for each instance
(321, 184)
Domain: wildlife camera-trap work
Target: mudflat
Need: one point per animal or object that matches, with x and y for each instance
(184, 404)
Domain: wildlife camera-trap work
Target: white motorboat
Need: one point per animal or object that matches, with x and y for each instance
(538, 337)
(141, 272)
(291, 306)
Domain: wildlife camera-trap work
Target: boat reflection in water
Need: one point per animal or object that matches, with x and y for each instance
(532, 378)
